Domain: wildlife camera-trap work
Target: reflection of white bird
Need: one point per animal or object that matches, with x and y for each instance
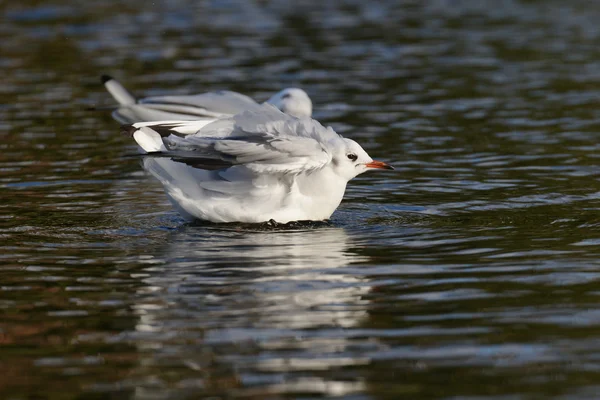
(209, 105)
(253, 167)
(289, 275)
(206, 289)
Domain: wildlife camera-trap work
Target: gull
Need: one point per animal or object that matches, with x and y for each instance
(258, 166)
(203, 106)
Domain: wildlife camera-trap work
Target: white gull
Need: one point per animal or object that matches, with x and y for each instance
(256, 166)
(201, 106)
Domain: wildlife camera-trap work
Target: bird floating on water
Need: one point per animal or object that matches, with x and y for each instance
(257, 166)
(208, 105)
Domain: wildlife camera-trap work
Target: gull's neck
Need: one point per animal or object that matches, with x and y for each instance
(323, 191)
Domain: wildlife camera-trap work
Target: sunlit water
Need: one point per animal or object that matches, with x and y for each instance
(471, 272)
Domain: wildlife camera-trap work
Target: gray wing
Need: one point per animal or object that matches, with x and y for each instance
(166, 128)
(205, 105)
(264, 141)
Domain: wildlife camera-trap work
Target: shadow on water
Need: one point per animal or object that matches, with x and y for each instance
(268, 226)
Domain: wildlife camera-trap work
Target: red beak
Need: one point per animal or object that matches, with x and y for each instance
(378, 165)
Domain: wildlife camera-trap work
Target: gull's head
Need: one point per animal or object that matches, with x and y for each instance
(350, 160)
(292, 101)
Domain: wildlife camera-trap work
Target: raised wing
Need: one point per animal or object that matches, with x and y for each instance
(264, 141)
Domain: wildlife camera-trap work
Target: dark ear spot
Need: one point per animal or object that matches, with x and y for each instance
(334, 161)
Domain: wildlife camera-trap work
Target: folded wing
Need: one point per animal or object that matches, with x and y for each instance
(264, 141)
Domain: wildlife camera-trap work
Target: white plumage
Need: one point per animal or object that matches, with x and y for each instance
(256, 166)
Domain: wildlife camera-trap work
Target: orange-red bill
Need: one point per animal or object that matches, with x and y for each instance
(378, 165)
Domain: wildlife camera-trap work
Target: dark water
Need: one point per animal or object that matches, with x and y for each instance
(472, 272)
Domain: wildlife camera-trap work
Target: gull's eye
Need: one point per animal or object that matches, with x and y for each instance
(286, 96)
(352, 156)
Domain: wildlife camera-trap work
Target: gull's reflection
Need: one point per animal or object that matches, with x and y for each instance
(211, 291)
(285, 279)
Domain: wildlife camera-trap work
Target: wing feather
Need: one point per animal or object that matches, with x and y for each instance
(265, 141)
(177, 128)
(211, 104)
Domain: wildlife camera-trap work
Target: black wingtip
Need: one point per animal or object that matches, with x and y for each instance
(128, 129)
(105, 78)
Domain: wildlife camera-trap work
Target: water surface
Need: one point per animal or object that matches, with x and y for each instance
(469, 273)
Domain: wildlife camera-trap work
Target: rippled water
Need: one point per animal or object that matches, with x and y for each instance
(469, 273)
